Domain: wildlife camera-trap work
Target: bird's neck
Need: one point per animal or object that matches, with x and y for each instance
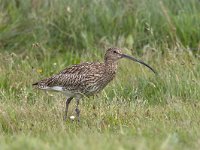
(111, 66)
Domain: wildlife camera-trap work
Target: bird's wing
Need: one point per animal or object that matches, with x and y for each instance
(73, 78)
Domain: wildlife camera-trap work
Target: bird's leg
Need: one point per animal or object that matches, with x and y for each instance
(68, 100)
(77, 110)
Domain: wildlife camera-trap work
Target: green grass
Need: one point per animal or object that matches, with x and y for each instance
(60, 25)
(138, 110)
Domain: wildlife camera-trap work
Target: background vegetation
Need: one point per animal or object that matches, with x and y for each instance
(138, 110)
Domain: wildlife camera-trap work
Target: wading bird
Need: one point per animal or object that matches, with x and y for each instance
(85, 78)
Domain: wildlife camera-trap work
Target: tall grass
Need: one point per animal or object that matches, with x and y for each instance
(61, 25)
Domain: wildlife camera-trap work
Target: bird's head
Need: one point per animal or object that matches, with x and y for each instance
(114, 54)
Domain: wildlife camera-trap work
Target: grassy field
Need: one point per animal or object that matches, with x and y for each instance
(138, 110)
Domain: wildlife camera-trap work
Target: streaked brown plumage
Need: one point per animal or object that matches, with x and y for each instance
(86, 78)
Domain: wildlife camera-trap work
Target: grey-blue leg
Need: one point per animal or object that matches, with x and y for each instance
(77, 110)
(68, 100)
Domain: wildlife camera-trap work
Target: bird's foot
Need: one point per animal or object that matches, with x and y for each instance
(77, 114)
(65, 118)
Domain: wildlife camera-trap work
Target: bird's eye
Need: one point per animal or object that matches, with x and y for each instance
(114, 51)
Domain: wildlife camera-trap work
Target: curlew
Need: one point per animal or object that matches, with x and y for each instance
(85, 78)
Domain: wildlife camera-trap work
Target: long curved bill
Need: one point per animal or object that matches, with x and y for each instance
(139, 61)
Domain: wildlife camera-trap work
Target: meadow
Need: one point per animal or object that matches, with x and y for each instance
(137, 110)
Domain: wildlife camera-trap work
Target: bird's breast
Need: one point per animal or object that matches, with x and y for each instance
(100, 83)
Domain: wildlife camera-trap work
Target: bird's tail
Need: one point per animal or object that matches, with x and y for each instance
(35, 84)
(40, 85)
